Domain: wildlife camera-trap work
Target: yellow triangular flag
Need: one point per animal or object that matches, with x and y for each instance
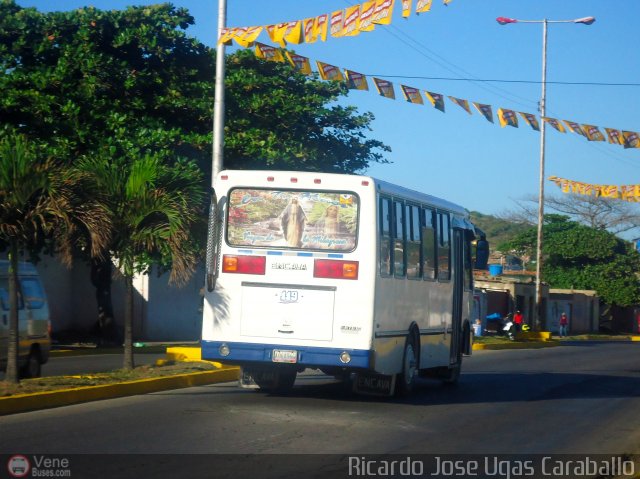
(423, 6)
(300, 63)
(507, 117)
(383, 12)
(329, 72)
(385, 88)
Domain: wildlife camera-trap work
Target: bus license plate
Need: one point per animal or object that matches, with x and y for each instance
(284, 356)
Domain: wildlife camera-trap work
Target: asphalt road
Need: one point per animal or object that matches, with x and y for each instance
(574, 399)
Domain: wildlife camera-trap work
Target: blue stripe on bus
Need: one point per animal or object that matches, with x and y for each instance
(274, 253)
(245, 251)
(308, 356)
(304, 254)
(335, 255)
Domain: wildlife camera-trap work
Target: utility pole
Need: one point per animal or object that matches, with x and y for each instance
(217, 160)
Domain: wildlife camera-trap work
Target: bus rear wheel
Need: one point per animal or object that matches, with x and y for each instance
(405, 381)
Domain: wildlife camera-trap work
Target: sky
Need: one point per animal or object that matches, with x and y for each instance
(454, 50)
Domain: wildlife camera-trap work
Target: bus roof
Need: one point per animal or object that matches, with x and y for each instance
(417, 196)
(250, 177)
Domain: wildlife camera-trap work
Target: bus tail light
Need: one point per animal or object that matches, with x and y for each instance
(329, 268)
(243, 264)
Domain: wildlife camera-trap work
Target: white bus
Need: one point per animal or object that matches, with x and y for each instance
(362, 279)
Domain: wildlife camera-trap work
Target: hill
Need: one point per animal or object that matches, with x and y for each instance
(498, 231)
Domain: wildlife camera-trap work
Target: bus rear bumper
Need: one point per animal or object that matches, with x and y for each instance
(302, 356)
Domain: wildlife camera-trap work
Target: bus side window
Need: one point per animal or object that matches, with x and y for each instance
(413, 242)
(444, 247)
(385, 236)
(399, 235)
(428, 244)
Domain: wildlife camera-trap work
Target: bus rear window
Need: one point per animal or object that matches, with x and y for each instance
(298, 219)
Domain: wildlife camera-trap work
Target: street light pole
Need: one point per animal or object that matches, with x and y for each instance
(217, 159)
(543, 111)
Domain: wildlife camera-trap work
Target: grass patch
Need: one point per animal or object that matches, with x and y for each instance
(53, 383)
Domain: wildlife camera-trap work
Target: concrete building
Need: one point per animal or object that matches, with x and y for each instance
(507, 293)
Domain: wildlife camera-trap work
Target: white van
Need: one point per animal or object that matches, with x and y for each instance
(33, 318)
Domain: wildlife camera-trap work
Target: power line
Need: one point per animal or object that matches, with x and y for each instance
(496, 80)
(438, 59)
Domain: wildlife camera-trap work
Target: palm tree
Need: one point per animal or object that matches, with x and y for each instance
(42, 208)
(154, 206)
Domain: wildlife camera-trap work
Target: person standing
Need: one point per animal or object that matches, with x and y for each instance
(518, 319)
(564, 322)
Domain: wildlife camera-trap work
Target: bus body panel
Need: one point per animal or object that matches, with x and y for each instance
(253, 319)
(251, 313)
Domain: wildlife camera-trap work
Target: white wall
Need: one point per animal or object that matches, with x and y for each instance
(161, 312)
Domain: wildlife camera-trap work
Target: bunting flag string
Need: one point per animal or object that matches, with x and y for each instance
(464, 104)
(385, 88)
(531, 120)
(485, 110)
(356, 81)
(554, 123)
(412, 95)
(341, 23)
(623, 192)
(436, 99)
(506, 117)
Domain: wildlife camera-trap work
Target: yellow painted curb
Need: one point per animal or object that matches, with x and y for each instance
(534, 335)
(635, 338)
(184, 353)
(188, 353)
(516, 345)
(66, 397)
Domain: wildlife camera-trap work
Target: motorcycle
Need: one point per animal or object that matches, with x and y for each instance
(502, 326)
(509, 328)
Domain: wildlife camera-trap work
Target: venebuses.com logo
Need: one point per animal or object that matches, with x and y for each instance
(18, 466)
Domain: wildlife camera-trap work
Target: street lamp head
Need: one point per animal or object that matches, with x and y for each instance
(505, 20)
(585, 20)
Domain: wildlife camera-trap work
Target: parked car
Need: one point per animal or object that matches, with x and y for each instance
(33, 320)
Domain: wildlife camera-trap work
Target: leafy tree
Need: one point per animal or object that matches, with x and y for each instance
(581, 257)
(72, 78)
(41, 208)
(154, 207)
(86, 81)
(279, 119)
(76, 79)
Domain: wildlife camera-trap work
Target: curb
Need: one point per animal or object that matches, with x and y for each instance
(526, 345)
(540, 344)
(67, 397)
